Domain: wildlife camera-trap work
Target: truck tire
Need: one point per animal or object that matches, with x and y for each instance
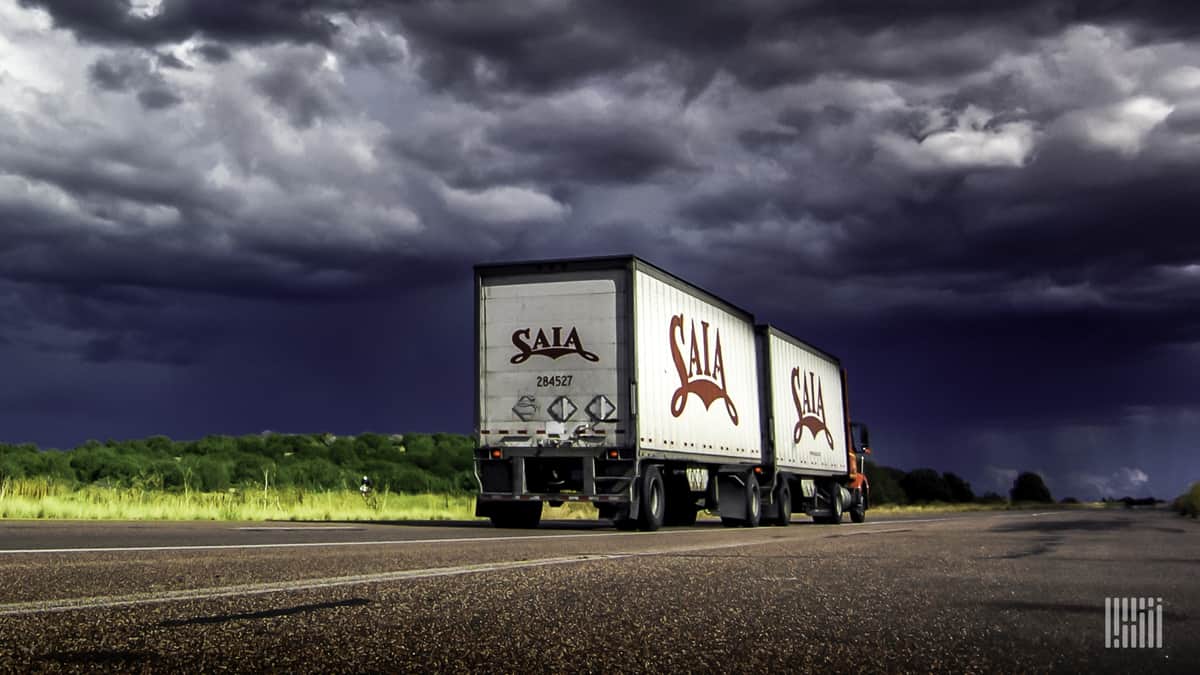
(858, 512)
(753, 502)
(835, 516)
(517, 515)
(653, 500)
(783, 501)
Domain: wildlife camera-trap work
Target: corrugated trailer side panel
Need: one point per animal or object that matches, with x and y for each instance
(551, 345)
(697, 380)
(808, 418)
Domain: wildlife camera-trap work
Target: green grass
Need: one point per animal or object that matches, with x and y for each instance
(942, 507)
(42, 499)
(39, 498)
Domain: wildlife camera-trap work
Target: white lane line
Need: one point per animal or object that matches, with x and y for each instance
(48, 606)
(911, 520)
(862, 532)
(295, 529)
(72, 604)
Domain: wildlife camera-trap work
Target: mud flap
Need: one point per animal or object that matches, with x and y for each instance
(730, 488)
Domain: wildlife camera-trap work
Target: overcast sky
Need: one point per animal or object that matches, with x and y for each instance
(231, 216)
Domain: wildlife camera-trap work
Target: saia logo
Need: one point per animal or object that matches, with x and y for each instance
(810, 406)
(703, 373)
(553, 345)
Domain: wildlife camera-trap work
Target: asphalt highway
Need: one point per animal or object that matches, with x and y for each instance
(995, 592)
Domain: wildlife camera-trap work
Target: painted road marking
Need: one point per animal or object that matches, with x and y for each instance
(47, 606)
(241, 590)
(852, 534)
(296, 529)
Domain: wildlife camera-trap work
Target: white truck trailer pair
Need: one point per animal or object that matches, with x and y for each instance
(611, 381)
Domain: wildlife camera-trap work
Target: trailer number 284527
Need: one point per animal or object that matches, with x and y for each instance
(554, 380)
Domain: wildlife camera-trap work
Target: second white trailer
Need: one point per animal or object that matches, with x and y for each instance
(809, 466)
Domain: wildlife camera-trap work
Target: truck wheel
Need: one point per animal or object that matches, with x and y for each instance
(517, 515)
(753, 502)
(858, 512)
(835, 509)
(783, 501)
(653, 500)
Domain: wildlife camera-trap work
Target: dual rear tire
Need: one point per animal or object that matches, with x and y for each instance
(652, 503)
(833, 493)
(783, 505)
(858, 509)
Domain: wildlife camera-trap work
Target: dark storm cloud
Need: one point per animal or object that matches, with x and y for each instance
(134, 71)
(158, 98)
(763, 44)
(169, 60)
(214, 53)
(106, 325)
(112, 22)
(293, 87)
(118, 73)
(514, 44)
(599, 151)
(375, 49)
(1185, 119)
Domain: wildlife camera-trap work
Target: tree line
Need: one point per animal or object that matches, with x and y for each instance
(921, 486)
(408, 463)
(400, 463)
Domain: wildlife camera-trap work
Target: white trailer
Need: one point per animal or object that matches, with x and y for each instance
(812, 460)
(611, 381)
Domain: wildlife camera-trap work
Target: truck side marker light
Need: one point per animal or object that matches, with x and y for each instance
(612, 454)
(497, 454)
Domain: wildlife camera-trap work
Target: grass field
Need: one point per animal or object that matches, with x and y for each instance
(36, 498)
(42, 499)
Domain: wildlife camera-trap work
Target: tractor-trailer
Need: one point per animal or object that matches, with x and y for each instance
(611, 381)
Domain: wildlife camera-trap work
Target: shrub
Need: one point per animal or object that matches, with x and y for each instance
(959, 489)
(885, 484)
(209, 473)
(1188, 503)
(1029, 487)
(925, 485)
